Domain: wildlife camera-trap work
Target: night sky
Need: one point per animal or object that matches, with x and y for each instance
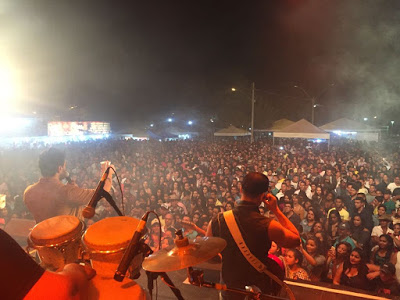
(133, 60)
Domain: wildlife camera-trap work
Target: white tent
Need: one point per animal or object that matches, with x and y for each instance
(344, 124)
(231, 131)
(302, 129)
(352, 129)
(276, 126)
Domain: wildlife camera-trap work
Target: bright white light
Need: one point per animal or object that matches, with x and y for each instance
(184, 136)
(375, 117)
(338, 132)
(9, 125)
(233, 89)
(169, 120)
(281, 147)
(318, 140)
(151, 125)
(211, 120)
(392, 122)
(7, 89)
(315, 105)
(365, 119)
(190, 122)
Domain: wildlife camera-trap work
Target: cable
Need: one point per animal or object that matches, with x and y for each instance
(157, 288)
(122, 194)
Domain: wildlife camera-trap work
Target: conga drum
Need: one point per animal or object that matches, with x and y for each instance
(58, 241)
(105, 243)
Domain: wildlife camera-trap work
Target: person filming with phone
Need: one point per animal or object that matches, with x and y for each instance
(245, 223)
(49, 197)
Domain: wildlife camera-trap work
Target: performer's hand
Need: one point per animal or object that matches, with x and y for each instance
(86, 272)
(271, 202)
(112, 168)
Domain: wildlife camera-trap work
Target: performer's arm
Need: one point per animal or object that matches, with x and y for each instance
(81, 196)
(284, 233)
(21, 277)
(69, 284)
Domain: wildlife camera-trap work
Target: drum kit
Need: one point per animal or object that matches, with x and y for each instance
(63, 239)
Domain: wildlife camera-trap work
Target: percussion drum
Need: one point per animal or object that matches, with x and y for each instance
(105, 243)
(57, 240)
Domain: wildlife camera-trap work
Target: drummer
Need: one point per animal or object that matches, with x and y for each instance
(49, 197)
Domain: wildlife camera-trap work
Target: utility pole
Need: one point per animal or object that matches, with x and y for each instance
(312, 109)
(252, 112)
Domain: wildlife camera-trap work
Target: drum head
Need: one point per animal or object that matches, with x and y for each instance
(55, 230)
(110, 234)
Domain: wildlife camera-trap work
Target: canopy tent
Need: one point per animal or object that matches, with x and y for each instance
(302, 129)
(276, 126)
(161, 135)
(348, 125)
(133, 133)
(231, 131)
(352, 129)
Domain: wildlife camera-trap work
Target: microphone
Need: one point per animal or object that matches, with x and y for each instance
(132, 249)
(88, 211)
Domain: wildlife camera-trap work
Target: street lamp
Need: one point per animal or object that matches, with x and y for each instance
(313, 99)
(252, 111)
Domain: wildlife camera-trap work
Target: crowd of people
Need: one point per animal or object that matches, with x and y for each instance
(342, 199)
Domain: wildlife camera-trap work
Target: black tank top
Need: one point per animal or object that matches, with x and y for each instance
(236, 270)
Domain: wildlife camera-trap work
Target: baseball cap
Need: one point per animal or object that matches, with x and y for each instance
(388, 268)
(165, 206)
(385, 217)
(345, 226)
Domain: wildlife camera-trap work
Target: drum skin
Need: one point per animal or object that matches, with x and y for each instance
(105, 243)
(58, 241)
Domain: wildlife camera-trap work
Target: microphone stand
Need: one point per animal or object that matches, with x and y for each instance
(106, 195)
(144, 249)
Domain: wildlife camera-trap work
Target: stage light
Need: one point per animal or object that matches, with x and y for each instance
(151, 125)
(365, 119)
(190, 122)
(169, 120)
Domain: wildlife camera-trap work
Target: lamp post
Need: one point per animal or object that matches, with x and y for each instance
(313, 99)
(252, 110)
(312, 102)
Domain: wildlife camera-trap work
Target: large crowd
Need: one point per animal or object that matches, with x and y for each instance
(342, 198)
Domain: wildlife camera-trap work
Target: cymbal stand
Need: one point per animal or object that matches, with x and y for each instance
(151, 276)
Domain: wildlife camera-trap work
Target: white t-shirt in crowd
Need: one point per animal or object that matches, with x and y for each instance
(377, 231)
(392, 186)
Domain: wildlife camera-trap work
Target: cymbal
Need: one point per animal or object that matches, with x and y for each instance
(180, 257)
